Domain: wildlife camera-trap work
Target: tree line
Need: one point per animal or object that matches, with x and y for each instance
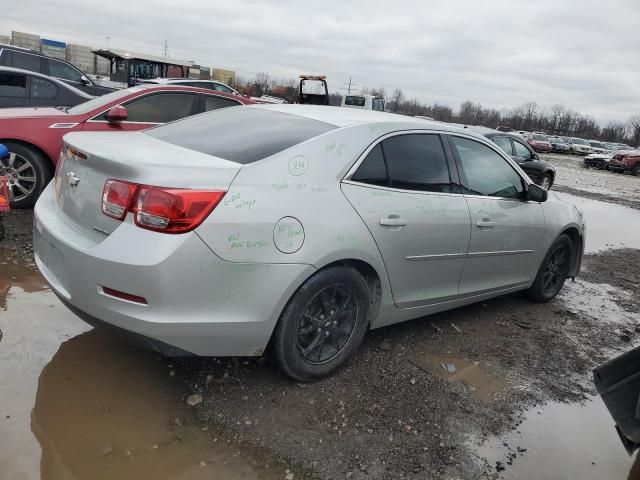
(554, 120)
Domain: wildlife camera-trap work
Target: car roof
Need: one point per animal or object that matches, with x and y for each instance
(345, 117)
(174, 80)
(60, 83)
(190, 88)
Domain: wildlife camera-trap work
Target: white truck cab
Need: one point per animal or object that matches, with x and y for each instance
(366, 102)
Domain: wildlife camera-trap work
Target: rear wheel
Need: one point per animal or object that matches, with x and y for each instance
(28, 172)
(323, 324)
(636, 170)
(553, 272)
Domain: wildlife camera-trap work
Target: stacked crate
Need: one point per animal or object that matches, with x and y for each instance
(5, 39)
(82, 57)
(25, 40)
(53, 48)
(228, 77)
(103, 66)
(205, 73)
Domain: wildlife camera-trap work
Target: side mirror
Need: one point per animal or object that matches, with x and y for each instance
(117, 114)
(534, 156)
(536, 193)
(84, 80)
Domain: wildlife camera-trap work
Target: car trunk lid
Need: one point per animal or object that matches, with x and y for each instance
(89, 159)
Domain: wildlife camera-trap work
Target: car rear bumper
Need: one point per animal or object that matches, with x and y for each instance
(196, 302)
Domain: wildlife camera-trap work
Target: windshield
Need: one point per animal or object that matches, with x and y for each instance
(354, 101)
(97, 102)
(240, 134)
(540, 138)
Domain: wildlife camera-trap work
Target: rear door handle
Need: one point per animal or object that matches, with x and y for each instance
(393, 221)
(485, 223)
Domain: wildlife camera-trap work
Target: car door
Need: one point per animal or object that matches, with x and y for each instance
(14, 89)
(148, 111)
(405, 190)
(506, 229)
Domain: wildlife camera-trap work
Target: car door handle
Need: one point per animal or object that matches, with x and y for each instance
(485, 223)
(393, 221)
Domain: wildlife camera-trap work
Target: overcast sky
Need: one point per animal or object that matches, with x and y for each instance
(580, 53)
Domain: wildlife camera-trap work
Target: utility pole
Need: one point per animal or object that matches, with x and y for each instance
(107, 42)
(349, 86)
(166, 49)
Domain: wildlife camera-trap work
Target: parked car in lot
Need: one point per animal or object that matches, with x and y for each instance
(191, 82)
(34, 61)
(598, 147)
(34, 135)
(542, 173)
(539, 142)
(22, 88)
(626, 161)
(598, 160)
(296, 227)
(558, 145)
(578, 146)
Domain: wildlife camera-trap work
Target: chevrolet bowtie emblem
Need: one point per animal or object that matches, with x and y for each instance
(72, 180)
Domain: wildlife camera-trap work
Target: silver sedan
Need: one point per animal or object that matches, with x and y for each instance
(293, 229)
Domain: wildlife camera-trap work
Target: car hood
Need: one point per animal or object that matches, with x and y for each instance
(32, 112)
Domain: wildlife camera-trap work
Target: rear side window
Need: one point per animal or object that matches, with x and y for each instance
(417, 162)
(213, 103)
(372, 170)
(504, 143)
(41, 88)
(222, 88)
(242, 135)
(26, 61)
(62, 70)
(13, 85)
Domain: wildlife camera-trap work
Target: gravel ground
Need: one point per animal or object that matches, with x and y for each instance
(572, 177)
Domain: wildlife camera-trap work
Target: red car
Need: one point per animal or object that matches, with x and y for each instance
(626, 161)
(540, 143)
(34, 135)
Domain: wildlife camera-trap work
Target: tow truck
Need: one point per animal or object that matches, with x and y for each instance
(313, 90)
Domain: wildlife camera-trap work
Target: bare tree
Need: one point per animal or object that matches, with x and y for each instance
(261, 84)
(396, 99)
(378, 92)
(634, 127)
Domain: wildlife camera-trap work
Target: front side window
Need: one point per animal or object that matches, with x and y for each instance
(504, 143)
(13, 85)
(41, 88)
(222, 88)
(64, 71)
(26, 61)
(417, 162)
(372, 170)
(160, 108)
(521, 150)
(212, 102)
(486, 171)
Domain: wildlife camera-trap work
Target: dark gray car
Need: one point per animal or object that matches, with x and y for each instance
(21, 88)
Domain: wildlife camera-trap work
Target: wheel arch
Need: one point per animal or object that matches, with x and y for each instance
(577, 241)
(35, 147)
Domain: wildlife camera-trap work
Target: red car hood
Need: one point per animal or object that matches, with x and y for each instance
(32, 112)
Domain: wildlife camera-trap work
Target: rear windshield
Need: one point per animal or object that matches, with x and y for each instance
(240, 134)
(540, 138)
(354, 101)
(579, 141)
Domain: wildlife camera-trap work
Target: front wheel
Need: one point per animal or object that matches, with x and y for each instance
(546, 182)
(323, 324)
(28, 172)
(553, 272)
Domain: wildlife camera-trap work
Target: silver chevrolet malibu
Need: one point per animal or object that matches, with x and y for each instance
(294, 229)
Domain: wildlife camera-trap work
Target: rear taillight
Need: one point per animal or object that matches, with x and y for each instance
(117, 197)
(162, 209)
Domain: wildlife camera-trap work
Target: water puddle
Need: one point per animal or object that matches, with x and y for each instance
(470, 374)
(77, 404)
(597, 301)
(608, 225)
(562, 442)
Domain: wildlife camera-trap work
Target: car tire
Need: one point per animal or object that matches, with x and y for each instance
(546, 181)
(553, 271)
(307, 344)
(636, 170)
(29, 172)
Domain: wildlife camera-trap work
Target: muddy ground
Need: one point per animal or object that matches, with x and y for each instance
(450, 396)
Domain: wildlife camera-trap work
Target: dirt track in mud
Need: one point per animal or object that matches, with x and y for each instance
(446, 396)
